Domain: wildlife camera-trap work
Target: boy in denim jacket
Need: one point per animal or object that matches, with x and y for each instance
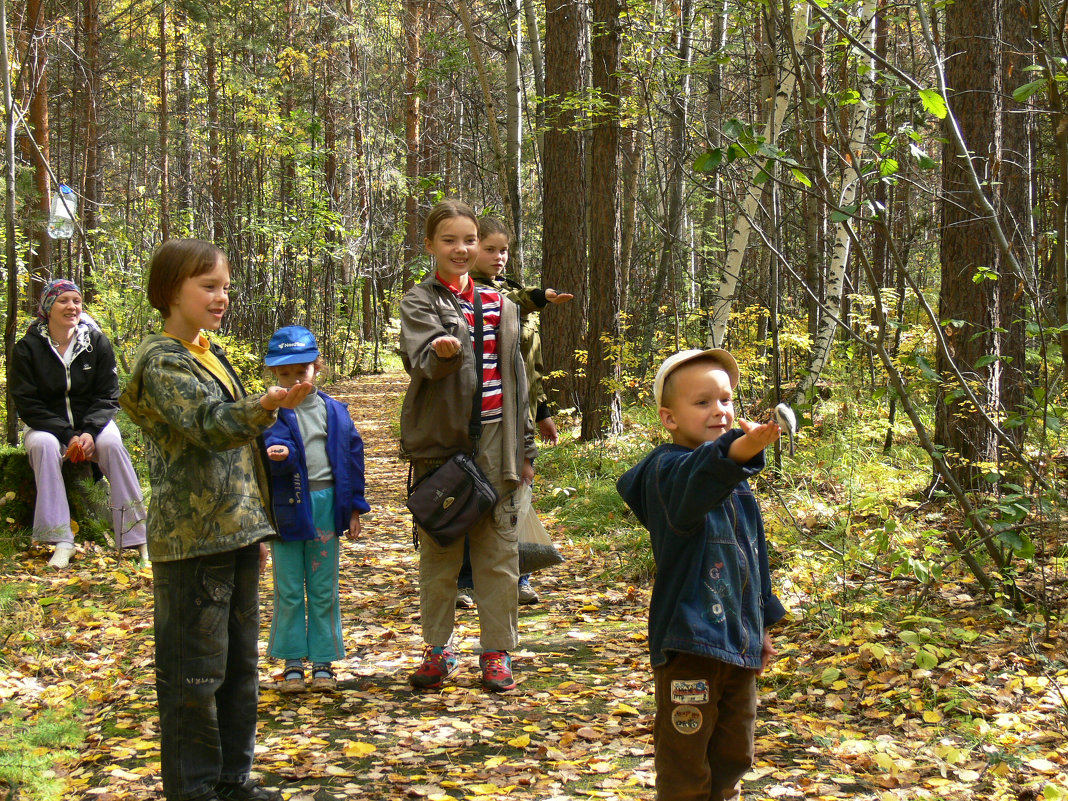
(712, 600)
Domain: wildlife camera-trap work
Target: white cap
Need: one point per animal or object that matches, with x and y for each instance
(671, 363)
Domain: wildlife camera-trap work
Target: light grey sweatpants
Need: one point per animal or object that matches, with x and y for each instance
(51, 517)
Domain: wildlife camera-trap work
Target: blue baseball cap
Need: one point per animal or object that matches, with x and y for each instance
(292, 344)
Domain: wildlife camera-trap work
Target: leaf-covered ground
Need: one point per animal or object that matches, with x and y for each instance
(866, 701)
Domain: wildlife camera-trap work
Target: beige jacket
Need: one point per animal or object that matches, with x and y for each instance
(436, 411)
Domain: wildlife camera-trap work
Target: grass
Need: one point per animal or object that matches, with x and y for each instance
(32, 745)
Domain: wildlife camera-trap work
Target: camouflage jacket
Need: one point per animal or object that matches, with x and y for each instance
(206, 461)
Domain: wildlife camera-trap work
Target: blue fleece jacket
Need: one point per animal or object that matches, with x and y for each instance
(712, 595)
(344, 449)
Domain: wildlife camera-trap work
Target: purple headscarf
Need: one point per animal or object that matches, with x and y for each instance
(52, 290)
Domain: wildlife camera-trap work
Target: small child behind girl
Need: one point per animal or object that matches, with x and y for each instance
(317, 467)
(206, 525)
(438, 351)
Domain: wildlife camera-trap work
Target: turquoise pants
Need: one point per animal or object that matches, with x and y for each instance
(308, 569)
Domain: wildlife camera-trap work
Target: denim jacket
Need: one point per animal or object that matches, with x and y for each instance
(289, 477)
(712, 596)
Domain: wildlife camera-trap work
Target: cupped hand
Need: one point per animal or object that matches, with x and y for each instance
(282, 398)
(553, 296)
(446, 347)
(278, 453)
(762, 434)
(88, 445)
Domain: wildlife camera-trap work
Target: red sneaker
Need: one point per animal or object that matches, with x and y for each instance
(439, 663)
(496, 671)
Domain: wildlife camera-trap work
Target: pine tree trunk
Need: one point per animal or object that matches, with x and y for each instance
(601, 411)
(564, 195)
(982, 320)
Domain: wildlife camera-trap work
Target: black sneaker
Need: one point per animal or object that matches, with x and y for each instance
(251, 790)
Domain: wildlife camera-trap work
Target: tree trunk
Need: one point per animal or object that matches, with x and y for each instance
(978, 284)
(91, 180)
(513, 139)
(536, 62)
(564, 194)
(34, 145)
(501, 160)
(857, 142)
(183, 112)
(601, 413)
(11, 264)
(413, 25)
(743, 220)
(164, 160)
(678, 158)
(217, 215)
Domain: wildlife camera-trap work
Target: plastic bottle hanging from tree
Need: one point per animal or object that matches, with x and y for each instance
(64, 210)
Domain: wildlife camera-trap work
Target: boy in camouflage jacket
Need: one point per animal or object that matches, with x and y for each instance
(207, 521)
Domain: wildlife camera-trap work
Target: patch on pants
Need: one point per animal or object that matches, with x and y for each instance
(689, 691)
(686, 719)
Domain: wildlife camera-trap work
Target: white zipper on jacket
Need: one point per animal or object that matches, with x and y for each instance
(66, 368)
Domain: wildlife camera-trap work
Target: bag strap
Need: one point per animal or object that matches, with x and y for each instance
(474, 427)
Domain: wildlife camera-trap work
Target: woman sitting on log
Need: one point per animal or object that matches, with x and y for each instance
(66, 389)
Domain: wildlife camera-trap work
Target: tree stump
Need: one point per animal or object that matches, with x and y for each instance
(86, 494)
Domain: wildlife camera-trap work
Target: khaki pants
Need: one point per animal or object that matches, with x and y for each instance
(494, 562)
(703, 733)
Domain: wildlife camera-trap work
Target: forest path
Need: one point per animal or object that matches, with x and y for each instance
(578, 725)
(839, 718)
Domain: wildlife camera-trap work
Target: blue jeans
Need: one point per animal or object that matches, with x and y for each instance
(207, 628)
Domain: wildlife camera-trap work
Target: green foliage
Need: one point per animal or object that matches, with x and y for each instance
(934, 103)
(32, 744)
(575, 491)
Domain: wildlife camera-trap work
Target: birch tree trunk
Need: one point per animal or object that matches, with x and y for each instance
(91, 180)
(10, 254)
(743, 219)
(679, 105)
(536, 61)
(824, 341)
(215, 223)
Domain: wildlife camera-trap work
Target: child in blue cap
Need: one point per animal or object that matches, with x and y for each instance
(316, 458)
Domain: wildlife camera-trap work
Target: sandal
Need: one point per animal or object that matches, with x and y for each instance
(292, 681)
(323, 680)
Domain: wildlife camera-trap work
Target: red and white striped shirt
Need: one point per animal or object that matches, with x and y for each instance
(492, 405)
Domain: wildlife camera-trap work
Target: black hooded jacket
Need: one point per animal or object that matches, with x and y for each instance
(64, 401)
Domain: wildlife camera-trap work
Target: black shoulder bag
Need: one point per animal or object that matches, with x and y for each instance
(451, 499)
